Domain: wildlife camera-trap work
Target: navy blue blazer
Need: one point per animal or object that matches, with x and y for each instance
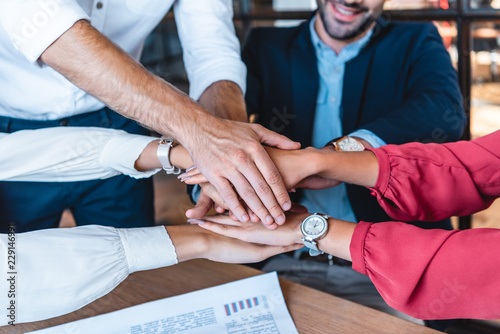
(402, 87)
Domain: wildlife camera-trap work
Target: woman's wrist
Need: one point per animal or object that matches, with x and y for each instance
(179, 157)
(337, 240)
(190, 241)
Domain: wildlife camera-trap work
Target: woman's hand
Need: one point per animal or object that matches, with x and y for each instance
(287, 234)
(192, 242)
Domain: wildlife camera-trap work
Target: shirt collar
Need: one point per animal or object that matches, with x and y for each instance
(352, 48)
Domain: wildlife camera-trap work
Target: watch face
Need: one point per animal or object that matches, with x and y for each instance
(314, 225)
(350, 144)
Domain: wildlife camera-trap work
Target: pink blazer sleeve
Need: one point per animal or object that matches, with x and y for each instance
(434, 274)
(430, 182)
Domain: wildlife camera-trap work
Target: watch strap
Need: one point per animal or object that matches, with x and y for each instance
(311, 244)
(163, 153)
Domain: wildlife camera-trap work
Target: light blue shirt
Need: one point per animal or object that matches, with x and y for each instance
(328, 121)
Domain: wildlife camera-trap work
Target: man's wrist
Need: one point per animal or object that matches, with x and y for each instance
(225, 100)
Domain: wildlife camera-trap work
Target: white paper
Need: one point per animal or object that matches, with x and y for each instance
(253, 305)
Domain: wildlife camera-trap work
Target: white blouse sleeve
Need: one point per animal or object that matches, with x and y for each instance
(64, 154)
(211, 49)
(33, 25)
(57, 271)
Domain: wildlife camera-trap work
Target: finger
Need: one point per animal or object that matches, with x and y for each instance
(275, 181)
(254, 218)
(272, 226)
(211, 192)
(226, 230)
(246, 185)
(230, 198)
(209, 224)
(223, 220)
(274, 139)
(201, 208)
(233, 217)
(195, 179)
(191, 173)
(218, 208)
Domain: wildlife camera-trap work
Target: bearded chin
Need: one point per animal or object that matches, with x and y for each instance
(347, 35)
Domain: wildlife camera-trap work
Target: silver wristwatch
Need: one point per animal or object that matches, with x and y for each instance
(314, 228)
(163, 153)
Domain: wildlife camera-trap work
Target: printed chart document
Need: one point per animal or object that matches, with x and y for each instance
(253, 305)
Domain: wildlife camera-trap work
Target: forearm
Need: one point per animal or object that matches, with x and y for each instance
(93, 63)
(179, 157)
(338, 238)
(190, 242)
(224, 99)
(360, 168)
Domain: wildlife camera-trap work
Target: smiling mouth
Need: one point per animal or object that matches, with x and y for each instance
(345, 13)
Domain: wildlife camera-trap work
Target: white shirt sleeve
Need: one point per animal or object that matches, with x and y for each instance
(211, 49)
(64, 154)
(33, 25)
(58, 271)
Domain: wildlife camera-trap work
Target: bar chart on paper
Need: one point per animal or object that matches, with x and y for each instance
(251, 315)
(241, 305)
(253, 305)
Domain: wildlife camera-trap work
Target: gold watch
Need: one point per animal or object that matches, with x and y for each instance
(347, 144)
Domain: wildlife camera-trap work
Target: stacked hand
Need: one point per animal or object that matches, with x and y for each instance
(231, 157)
(297, 169)
(288, 234)
(193, 242)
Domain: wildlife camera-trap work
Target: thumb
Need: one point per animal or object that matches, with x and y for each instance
(201, 208)
(274, 139)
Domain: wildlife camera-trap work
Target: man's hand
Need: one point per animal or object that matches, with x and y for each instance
(230, 154)
(296, 167)
(209, 198)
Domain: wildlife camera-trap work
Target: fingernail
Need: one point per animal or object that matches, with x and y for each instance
(185, 178)
(181, 176)
(269, 219)
(281, 220)
(190, 168)
(195, 221)
(245, 218)
(287, 206)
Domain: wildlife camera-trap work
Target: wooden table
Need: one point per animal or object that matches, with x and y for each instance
(312, 311)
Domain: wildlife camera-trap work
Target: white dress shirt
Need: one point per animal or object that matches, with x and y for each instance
(66, 154)
(57, 271)
(28, 27)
